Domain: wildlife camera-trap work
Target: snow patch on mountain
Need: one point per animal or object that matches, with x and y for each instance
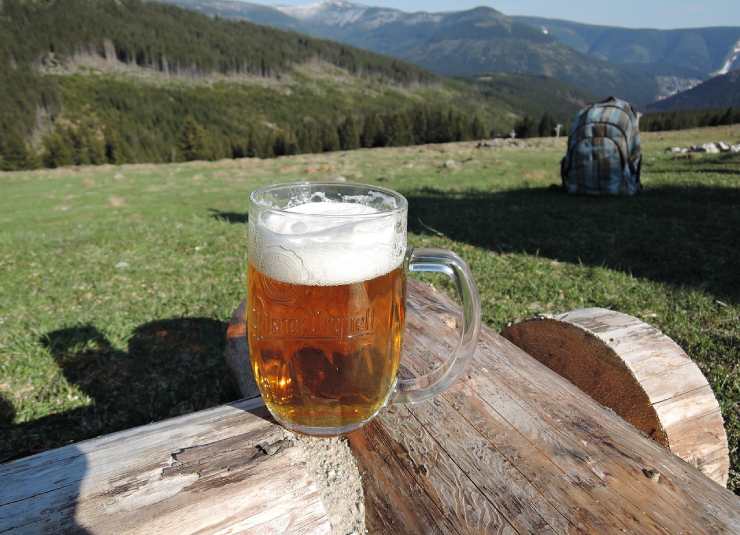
(344, 13)
(731, 59)
(672, 85)
(381, 18)
(545, 30)
(338, 12)
(301, 12)
(422, 17)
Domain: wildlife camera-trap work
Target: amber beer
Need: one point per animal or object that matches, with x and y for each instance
(325, 356)
(325, 310)
(325, 304)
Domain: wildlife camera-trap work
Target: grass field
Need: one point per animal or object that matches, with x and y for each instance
(116, 282)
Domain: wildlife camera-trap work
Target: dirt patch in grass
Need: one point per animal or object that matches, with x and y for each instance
(114, 201)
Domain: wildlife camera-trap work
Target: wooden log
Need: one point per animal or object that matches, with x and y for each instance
(557, 456)
(634, 369)
(229, 469)
(513, 448)
(237, 354)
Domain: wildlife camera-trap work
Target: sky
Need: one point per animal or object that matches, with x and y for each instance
(628, 13)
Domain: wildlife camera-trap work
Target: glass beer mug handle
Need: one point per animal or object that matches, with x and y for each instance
(447, 262)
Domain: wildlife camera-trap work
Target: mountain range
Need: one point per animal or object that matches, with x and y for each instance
(697, 52)
(722, 91)
(642, 65)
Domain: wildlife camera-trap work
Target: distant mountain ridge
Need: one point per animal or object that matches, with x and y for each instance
(719, 92)
(461, 43)
(702, 52)
(641, 65)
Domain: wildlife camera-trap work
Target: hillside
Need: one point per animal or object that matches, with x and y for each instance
(463, 43)
(719, 92)
(534, 95)
(95, 81)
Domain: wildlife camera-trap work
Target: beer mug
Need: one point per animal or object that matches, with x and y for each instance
(326, 288)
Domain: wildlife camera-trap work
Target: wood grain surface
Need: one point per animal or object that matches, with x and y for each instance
(224, 470)
(640, 373)
(515, 447)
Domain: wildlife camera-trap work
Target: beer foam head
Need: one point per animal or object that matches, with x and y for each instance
(327, 243)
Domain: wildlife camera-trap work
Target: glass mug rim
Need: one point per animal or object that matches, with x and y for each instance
(401, 201)
(394, 209)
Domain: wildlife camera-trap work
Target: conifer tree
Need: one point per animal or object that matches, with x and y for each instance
(525, 128)
(58, 152)
(92, 144)
(264, 140)
(458, 130)
(112, 147)
(349, 134)
(477, 130)
(397, 129)
(193, 142)
(440, 128)
(329, 137)
(280, 145)
(309, 137)
(546, 126)
(15, 154)
(726, 117)
(251, 151)
(291, 143)
(419, 125)
(373, 134)
(285, 143)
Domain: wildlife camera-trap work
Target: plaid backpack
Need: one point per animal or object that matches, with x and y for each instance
(604, 155)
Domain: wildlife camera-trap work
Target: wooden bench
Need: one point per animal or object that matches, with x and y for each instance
(513, 448)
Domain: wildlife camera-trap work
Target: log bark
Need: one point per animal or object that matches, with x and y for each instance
(512, 448)
(644, 376)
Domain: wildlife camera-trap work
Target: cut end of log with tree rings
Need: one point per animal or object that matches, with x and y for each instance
(637, 371)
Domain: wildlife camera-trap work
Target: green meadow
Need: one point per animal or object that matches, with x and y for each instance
(116, 282)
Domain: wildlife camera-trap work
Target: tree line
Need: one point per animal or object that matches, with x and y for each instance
(92, 141)
(528, 126)
(681, 120)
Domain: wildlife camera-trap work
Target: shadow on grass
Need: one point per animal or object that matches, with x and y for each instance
(7, 413)
(695, 170)
(722, 164)
(229, 217)
(172, 367)
(681, 236)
